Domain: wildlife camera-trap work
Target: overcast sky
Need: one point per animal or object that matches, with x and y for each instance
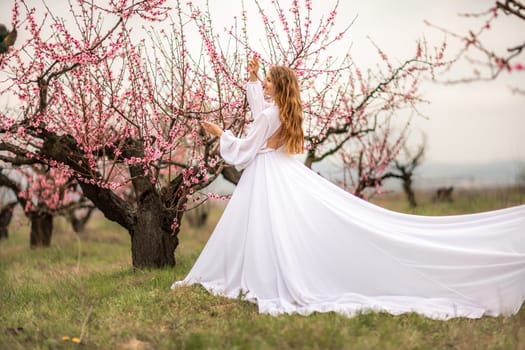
(479, 122)
(469, 123)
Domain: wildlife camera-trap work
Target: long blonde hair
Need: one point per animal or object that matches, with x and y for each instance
(288, 98)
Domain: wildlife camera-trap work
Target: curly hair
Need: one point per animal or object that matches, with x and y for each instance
(287, 97)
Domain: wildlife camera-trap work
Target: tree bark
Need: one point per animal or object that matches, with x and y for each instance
(231, 174)
(310, 155)
(152, 242)
(409, 192)
(79, 221)
(6, 214)
(41, 229)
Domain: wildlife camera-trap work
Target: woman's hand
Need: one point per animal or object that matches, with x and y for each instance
(253, 69)
(213, 129)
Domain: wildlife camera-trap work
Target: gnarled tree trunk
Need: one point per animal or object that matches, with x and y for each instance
(147, 220)
(41, 229)
(152, 242)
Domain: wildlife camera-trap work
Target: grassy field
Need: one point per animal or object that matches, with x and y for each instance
(82, 293)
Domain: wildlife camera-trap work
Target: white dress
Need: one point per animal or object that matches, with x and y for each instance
(293, 242)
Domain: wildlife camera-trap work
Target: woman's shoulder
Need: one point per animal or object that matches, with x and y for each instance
(270, 115)
(270, 111)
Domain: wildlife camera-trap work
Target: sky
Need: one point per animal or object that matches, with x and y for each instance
(466, 123)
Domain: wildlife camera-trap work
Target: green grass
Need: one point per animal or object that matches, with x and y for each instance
(83, 286)
(463, 201)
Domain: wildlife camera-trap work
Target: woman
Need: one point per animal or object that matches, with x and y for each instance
(293, 242)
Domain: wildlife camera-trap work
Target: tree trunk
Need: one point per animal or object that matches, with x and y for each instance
(41, 229)
(310, 155)
(79, 221)
(198, 216)
(407, 187)
(152, 242)
(4, 232)
(231, 174)
(148, 222)
(6, 214)
(79, 225)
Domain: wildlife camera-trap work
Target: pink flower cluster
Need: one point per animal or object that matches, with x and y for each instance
(133, 108)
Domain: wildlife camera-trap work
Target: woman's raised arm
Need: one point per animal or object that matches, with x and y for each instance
(254, 91)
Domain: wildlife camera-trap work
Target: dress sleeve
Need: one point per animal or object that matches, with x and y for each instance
(254, 93)
(241, 151)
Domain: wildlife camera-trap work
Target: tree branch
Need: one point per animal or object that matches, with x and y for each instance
(507, 7)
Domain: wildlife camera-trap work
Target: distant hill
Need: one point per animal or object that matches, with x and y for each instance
(465, 175)
(498, 173)
(428, 175)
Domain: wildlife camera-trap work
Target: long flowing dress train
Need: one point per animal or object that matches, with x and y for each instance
(293, 242)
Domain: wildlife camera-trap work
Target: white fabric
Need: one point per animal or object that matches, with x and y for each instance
(241, 152)
(293, 242)
(254, 93)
